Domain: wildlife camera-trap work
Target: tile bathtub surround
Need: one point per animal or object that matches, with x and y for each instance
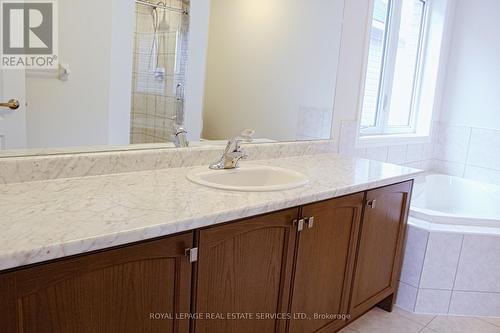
(413, 155)
(441, 260)
(407, 296)
(475, 304)
(34, 168)
(433, 301)
(413, 260)
(50, 219)
(454, 150)
(468, 152)
(460, 273)
(452, 143)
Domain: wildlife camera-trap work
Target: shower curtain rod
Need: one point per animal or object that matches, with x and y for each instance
(161, 5)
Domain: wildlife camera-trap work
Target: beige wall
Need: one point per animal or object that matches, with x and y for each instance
(271, 66)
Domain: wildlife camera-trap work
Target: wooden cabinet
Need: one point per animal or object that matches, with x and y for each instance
(379, 253)
(244, 268)
(117, 290)
(324, 264)
(262, 274)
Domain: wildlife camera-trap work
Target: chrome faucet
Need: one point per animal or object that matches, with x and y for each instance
(233, 153)
(180, 137)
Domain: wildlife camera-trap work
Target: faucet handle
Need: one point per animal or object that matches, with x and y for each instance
(233, 152)
(234, 145)
(247, 135)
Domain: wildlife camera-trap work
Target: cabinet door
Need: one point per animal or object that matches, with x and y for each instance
(325, 260)
(245, 268)
(378, 262)
(121, 290)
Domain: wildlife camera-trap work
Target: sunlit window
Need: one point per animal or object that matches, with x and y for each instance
(392, 80)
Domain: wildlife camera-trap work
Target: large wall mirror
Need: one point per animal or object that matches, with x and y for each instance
(133, 73)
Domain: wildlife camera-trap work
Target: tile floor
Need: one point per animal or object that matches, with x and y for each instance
(400, 321)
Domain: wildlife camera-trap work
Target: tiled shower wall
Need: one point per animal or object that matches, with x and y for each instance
(157, 103)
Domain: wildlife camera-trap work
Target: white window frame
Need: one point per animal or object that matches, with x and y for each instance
(387, 74)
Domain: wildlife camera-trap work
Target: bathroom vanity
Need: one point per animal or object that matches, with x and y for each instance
(306, 260)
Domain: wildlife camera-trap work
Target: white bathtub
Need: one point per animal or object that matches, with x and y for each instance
(452, 257)
(450, 200)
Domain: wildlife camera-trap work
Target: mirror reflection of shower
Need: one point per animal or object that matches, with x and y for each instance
(159, 72)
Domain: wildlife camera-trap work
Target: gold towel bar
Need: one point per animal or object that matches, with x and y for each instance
(12, 104)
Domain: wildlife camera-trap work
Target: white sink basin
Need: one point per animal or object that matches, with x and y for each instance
(249, 178)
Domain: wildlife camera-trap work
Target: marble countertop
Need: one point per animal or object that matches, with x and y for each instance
(50, 219)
